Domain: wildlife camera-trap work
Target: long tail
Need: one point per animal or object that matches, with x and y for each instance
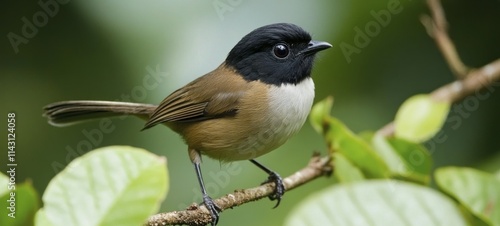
(70, 112)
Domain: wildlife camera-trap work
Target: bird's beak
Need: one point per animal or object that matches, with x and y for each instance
(314, 47)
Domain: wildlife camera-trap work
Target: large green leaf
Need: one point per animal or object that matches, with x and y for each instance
(477, 191)
(116, 185)
(377, 202)
(26, 201)
(420, 118)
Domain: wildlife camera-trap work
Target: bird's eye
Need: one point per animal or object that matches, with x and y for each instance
(281, 50)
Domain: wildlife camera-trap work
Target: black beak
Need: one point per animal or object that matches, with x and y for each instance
(314, 47)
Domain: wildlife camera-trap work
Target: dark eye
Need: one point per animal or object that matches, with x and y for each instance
(281, 50)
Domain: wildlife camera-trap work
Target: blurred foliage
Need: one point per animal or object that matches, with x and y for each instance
(26, 201)
(380, 202)
(377, 202)
(105, 49)
(115, 185)
(371, 154)
(341, 140)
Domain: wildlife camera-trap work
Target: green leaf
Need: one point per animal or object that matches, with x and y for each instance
(406, 160)
(377, 202)
(416, 158)
(366, 136)
(41, 218)
(477, 191)
(389, 155)
(345, 171)
(344, 141)
(26, 205)
(4, 182)
(420, 117)
(319, 113)
(116, 185)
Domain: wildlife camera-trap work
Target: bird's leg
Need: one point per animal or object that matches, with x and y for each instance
(279, 188)
(207, 201)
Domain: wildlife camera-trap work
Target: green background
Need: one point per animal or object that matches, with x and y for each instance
(101, 49)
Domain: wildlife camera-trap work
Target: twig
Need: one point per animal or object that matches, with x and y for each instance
(437, 28)
(472, 80)
(199, 215)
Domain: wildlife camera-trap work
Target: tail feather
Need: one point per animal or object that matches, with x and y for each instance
(71, 112)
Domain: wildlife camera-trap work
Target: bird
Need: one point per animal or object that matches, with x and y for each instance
(249, 105)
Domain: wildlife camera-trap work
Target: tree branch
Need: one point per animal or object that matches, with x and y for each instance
(199, 215)
(472, 80)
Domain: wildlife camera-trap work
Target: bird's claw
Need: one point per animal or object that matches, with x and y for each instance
(279, 188)
(212, 208)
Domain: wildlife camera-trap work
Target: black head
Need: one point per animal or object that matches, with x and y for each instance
(275, 54)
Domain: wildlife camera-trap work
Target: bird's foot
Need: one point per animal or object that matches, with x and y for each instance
(212, 208)
(279, 189)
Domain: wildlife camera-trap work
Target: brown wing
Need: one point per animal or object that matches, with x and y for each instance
(213, 95)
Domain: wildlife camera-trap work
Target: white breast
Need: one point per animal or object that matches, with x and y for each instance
(289, 107)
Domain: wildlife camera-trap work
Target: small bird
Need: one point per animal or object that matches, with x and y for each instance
(248, 106)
